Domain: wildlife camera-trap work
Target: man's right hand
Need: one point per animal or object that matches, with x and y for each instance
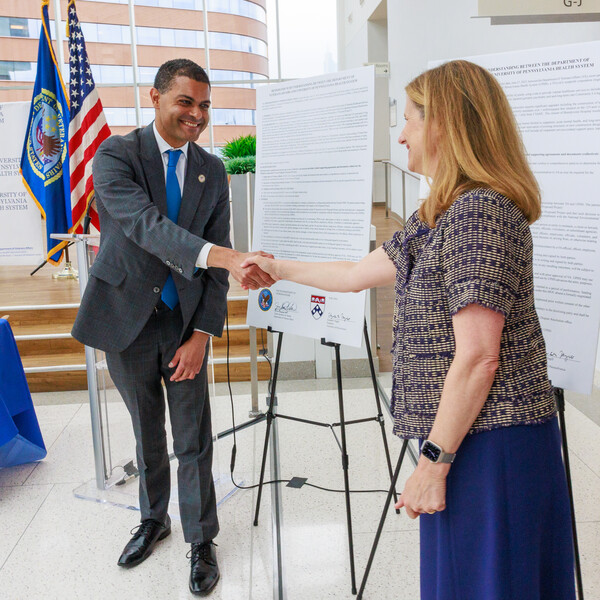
(250, 277)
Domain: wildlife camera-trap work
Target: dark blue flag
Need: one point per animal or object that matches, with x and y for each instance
(45, 159)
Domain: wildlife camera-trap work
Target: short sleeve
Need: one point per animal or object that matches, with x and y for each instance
(396, 248)
(393, 248)
(482, 252)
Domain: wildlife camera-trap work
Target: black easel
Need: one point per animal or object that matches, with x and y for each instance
(271, 415)
(559, 395)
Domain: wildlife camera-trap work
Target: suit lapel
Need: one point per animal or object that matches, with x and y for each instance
(195, 180)
(154, 169)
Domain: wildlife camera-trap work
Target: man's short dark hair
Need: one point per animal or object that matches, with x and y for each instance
(179, 67)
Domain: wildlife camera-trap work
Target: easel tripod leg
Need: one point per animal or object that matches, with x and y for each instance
(263, 464)
(382, 520)
(270, 417)
(379, 411)
(559, 394)
(345, 467)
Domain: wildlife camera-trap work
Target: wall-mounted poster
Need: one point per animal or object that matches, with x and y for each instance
(555, 96)
(21, 233)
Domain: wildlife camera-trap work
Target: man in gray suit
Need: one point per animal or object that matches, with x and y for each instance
(157, 291)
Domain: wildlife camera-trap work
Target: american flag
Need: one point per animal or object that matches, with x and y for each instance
(87, 128)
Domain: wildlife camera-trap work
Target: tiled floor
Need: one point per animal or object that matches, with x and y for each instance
(54, 545)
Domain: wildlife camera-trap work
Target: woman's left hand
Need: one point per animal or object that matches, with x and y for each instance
(425, 489)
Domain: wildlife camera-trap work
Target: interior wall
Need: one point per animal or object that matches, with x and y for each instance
(377, 44)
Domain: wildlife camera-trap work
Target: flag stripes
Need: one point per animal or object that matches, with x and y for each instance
(88, 127)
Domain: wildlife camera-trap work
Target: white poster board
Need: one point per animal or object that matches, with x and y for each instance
(313, 196)
(555, 95)
(21, 233)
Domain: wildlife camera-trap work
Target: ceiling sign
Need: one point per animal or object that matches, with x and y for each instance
(521, 8)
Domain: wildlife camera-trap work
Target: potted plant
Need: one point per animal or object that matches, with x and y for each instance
(239, 156)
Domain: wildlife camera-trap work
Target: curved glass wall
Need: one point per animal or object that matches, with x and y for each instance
(125, 117)
(236, 7)
(114, 74)
(243, 8)
(217, 76)
(146, 36)
(13, 70)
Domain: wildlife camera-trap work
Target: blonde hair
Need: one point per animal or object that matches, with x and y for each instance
(471, 132)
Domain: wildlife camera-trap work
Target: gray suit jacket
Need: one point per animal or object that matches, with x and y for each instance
(139, 245)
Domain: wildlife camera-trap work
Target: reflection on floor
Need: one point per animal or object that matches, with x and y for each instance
(54, 545)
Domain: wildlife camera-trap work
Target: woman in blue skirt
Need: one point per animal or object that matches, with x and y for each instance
(470, 375)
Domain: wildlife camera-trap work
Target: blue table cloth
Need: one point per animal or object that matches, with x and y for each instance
(20, 436)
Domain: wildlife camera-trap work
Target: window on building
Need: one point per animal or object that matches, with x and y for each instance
(244, 8)
(146, 36)
(115, 74)
(17, 27)
(17, 71)
(125, 117)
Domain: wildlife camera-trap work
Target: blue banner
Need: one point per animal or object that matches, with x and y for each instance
(45, 159)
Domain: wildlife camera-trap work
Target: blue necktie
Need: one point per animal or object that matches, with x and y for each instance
(169, 294)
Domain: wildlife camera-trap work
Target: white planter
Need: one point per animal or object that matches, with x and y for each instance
(242, 209)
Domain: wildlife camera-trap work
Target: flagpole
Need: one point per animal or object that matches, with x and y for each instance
(134, 65)
(278, 40)
(207, 60)
(60, 55)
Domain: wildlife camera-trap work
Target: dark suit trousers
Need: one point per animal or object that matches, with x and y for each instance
(137, 372)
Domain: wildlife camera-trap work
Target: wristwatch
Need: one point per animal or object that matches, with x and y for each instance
(435, 454)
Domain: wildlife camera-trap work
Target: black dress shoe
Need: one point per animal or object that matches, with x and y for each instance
(205, 571)
(140, 547)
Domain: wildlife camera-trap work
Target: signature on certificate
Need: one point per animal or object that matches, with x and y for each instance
(561, 355)
(337, 318)
(286, 307)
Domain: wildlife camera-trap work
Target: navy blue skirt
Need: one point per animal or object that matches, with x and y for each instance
(506, 530)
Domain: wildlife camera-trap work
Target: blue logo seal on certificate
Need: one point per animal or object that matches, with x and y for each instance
(265, 299)
(46, 139)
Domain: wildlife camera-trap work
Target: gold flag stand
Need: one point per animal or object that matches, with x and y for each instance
(68, 271)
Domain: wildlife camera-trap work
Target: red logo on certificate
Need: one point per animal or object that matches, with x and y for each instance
(317, 306)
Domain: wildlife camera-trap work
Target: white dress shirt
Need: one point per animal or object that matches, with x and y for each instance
(180, 171)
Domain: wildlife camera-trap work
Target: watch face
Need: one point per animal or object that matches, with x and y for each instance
(431, 451)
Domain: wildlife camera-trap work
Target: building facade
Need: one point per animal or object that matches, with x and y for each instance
(164, 29)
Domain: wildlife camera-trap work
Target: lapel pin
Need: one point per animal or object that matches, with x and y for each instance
(201, 178)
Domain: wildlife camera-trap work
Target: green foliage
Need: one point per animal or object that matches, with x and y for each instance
(241, 164)
(242, 146)
(239, 155)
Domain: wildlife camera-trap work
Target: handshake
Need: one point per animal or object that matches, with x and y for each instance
(243, 266)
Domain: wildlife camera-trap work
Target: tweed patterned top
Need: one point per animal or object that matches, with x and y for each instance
(479, 252)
